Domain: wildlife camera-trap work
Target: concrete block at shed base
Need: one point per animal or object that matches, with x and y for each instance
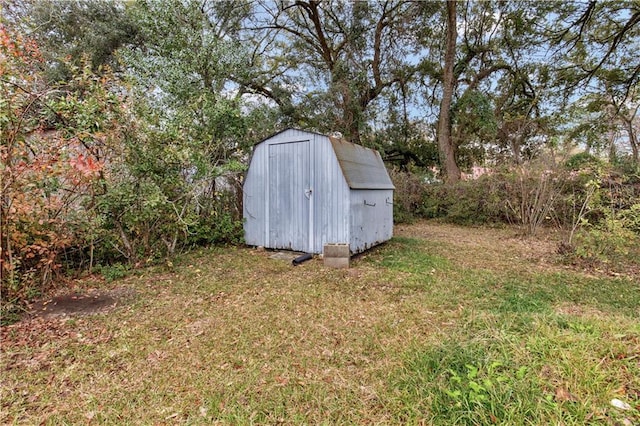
(336, 262)
(336, 255)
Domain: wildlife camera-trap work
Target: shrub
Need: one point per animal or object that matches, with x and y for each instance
(114, 272)
(532, 193)
(630, 218)
(582, 161)
(222, 222)
(90, 177)
(605, 226)
(408, 195)
(49, 174)
(608, 244)
(467, 202)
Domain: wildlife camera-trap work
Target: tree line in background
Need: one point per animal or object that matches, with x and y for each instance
(126, 126)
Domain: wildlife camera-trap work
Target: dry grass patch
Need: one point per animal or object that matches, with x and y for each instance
(488, 248)
(232, 336)
(580, 311)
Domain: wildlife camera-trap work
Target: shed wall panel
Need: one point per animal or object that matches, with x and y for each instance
(253, 206)
(371, 218)
(289, 195)
(330, 197)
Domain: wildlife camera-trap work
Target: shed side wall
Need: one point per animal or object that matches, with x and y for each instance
(253, 202)
(371, 218)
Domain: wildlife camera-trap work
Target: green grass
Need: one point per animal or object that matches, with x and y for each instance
(496, 371)
(515, 347)
(420, 330)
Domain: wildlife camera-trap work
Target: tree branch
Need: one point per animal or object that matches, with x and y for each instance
(313, 13)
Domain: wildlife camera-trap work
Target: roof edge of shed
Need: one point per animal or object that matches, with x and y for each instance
(362, 167)
(286, 130)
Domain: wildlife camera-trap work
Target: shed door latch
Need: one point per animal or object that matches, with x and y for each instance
(369, 204)
(308, 192)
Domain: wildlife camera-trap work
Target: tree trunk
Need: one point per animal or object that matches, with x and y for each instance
(445, 142)
(613, 153)
(633, 141)
(515, 142)
(350, 123)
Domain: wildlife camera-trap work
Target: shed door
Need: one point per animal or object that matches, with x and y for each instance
(289, 195)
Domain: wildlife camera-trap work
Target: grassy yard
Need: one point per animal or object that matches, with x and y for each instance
(442, 325)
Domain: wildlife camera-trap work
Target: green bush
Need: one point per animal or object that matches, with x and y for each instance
(467, 202)
(408, 195)
(605, 229)
(114, 272)
(582, 161)
(630, 218)
(609, 244)
(222, 228)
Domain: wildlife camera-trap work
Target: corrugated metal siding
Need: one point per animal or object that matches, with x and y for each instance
(253, 205)
(289, 195)
(371, 218)
(331, 197)
(256, 206)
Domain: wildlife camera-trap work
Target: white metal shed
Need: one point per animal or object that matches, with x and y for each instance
(304, 190)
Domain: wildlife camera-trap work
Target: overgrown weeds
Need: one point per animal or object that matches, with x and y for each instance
(91, 176)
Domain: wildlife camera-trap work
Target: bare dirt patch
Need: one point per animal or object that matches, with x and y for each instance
(80, 303)
(287, 256)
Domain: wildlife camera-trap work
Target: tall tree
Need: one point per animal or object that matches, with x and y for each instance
(331, 60)
(601, 124)
(599, 37)
(71, 32)
(493, 71)
(600, 41)
(445, 143)
(185, 70)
